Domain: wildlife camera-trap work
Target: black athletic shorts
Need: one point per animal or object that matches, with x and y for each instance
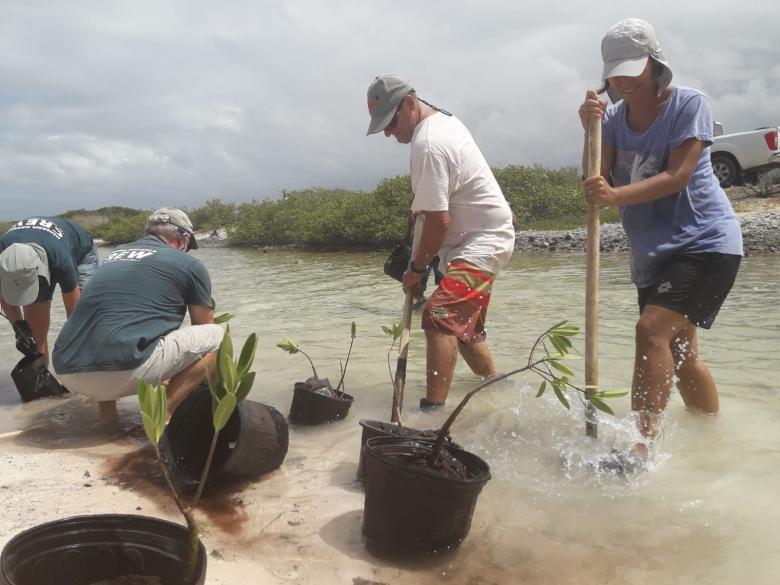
(694, 285)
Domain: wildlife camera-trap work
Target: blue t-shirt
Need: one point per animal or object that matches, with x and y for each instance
(66, 245)
(697, 219)
(138, 295)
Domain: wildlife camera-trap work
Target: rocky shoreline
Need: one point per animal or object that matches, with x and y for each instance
(760, 232)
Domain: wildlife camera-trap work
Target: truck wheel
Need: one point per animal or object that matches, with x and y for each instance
(726, 170)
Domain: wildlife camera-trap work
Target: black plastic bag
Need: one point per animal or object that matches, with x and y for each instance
(34, 381)
(398, 261)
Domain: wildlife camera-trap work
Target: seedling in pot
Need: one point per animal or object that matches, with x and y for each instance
(232, 383)
(555, 375)
(321, 385)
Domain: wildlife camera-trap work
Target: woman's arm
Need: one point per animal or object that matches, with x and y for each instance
(682, 163)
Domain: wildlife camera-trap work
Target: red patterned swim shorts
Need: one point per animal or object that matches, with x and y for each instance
(459, 305)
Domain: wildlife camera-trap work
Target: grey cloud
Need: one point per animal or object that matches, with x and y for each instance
(150, 103)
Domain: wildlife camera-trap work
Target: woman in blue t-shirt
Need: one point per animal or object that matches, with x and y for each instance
(686, 244)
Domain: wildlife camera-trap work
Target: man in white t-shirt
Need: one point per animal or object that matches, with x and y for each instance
(467, 222)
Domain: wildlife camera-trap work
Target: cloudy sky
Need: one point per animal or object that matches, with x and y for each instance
(151, 103)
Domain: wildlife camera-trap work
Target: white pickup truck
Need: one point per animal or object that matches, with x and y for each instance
(738, 156)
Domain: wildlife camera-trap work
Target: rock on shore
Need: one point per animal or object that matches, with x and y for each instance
(760, 233)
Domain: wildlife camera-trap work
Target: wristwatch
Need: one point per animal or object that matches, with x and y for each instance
(413, 268)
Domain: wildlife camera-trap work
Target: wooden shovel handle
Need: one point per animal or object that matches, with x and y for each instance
(403, 342)
(592, 277)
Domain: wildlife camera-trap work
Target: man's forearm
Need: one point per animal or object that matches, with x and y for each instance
(433, 233)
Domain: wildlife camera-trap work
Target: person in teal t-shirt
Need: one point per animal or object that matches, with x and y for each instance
(36, 255)
(126, 326)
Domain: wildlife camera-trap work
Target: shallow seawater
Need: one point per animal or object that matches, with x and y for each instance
(704, 512)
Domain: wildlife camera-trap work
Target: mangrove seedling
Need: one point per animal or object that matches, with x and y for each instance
(292, 347)
(394, 331)
(232, 384)
(554, 375)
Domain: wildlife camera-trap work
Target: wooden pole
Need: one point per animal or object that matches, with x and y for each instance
(592, 279)
(403, 343)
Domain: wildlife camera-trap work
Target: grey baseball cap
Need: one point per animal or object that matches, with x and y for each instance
(625, 49)
(178, 218)
(20, 267)
(384, 95)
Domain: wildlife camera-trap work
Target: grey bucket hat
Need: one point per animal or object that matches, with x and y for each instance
(178, 218)
(20, 267)
(384, 95)
(625, 50)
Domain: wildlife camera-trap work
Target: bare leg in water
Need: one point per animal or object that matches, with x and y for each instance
(666, 345)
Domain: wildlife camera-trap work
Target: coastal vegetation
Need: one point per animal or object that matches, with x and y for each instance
(540, 198)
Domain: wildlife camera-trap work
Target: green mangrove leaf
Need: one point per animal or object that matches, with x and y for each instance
(560, 323)
(154, 408)
(227, 345)
(387, 330)
(213, 304)
(611, 393)
(247, 355)
(288, 345)
(558, 344)
(226, 372)
(245, 386)
(601, 405)
(561, 397)
(569, 331)
(225, 408)
(223, 318)
(561, 368)
(150, 428)
(542, 388)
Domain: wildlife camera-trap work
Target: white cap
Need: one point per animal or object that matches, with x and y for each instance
(20, 267)
(626, 48)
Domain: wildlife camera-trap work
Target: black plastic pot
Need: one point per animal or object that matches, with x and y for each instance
(33, 380)
(253, 442)
(309, 407)
(410, 510)
(86, 549)
(378, 428)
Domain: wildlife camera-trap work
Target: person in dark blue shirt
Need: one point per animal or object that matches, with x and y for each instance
(127, 325)
(36, 255)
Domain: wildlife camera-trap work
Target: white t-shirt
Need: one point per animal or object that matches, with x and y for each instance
(449, 173)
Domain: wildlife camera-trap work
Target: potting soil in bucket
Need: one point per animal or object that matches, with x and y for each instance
(378, 428)
(106, 548)
(413, 508)
(253, 442)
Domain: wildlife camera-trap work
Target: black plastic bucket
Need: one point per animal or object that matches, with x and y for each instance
(378, 428)
(33, 380)
(410, 510)
(253, 442)
(87, 549)
(309, 407)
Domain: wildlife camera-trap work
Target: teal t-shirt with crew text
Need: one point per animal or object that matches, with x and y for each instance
(137, 296)
(66, 244)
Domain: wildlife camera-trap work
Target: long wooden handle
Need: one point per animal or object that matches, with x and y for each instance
(592, 278)
(403, 343)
